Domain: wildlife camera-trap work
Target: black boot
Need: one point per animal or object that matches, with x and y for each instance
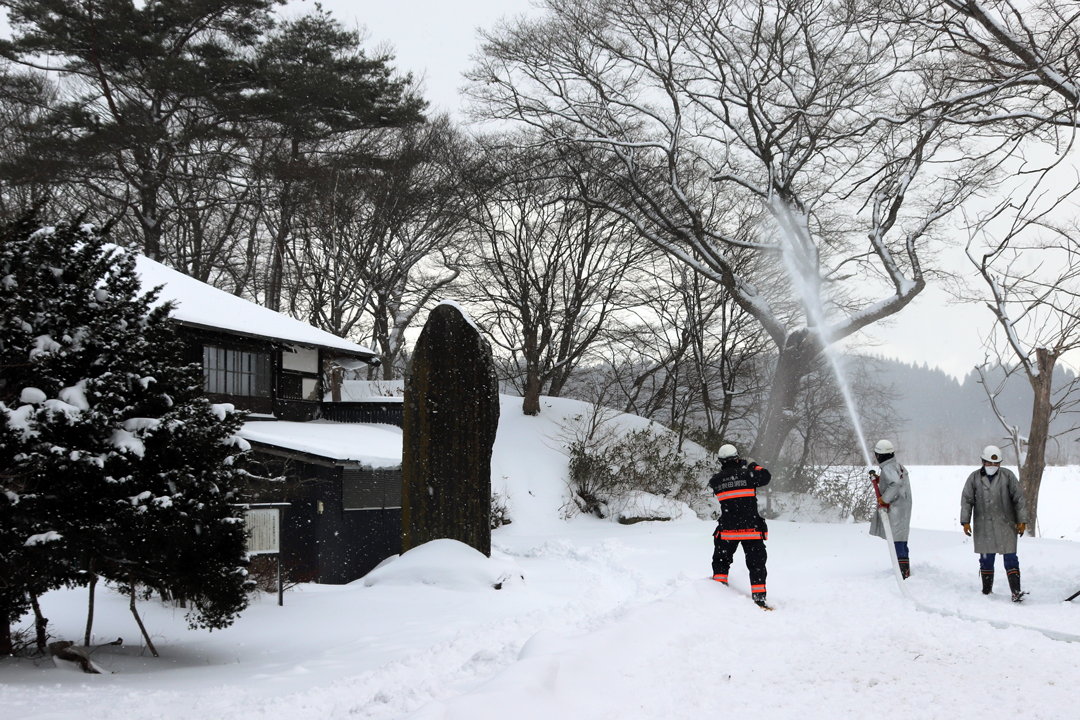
(759, 600)
(988, 581)
(1014, 584)
(905, 568)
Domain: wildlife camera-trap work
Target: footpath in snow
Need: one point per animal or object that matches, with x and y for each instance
(599, 620)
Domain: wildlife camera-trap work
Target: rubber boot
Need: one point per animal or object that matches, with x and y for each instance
(988, 581)
(1014, 584)
(905, 568)
(759, 600)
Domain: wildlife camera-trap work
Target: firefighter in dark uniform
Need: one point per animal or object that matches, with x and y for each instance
(736, 488)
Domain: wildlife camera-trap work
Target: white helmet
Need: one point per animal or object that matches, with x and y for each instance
(992, 453)
(726, 452)
(884, 447)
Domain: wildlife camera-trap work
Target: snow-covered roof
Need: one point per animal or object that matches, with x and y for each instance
(370, 445)
(204, 306)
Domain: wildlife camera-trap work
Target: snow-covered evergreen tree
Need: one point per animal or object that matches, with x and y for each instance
(120, 468)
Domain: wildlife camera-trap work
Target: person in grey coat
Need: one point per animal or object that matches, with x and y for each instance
(895, 499)
(993, 494)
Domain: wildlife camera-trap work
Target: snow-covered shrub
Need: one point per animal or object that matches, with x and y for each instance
(500, 510)
(610, 470)
(847, 489)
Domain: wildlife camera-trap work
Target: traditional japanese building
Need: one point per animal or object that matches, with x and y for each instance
(327, 444)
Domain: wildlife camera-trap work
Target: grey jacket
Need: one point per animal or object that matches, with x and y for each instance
(895, 490)
(998, 504)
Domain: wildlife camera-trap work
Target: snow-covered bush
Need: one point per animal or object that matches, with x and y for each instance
(610, 472)
(847, 489)
(500, 510)
(115, 466)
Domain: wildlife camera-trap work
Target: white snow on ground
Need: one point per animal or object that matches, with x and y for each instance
(610, 621)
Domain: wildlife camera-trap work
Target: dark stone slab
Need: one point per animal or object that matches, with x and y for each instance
(451, 416)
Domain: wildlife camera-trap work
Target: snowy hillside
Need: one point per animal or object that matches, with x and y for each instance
(599, 620)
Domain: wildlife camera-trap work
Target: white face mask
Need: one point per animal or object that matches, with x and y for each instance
(991, 470)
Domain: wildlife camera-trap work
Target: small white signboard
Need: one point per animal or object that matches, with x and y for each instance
(263, 531)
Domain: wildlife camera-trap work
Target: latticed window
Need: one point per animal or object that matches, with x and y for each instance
(236, 372)
(370, 489)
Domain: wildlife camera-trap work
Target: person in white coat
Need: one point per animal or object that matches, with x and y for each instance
(895, 499)
(993, 495)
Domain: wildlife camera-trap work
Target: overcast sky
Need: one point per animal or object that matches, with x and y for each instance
(434, 40)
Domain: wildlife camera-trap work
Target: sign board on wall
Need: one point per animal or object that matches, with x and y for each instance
(263, 531)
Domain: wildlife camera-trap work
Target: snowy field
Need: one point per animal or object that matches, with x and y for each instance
(599, 620)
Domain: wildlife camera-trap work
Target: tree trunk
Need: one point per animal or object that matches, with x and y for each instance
(151, 228)
(5, 638)
(90, 609)
(795, 361)
(40, 621)
(276, 281)
(142, 628)
(277, 269)
(1031, 471)
(530, 405)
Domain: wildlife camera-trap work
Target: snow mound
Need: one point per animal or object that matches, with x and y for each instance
(447, 564)
(642, 506)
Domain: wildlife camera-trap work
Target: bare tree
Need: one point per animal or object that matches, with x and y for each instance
(797, 128)
(684, 353)
(376, 232)
(204, 236)
(546, 269)
(420, 228)
(1010, 61)
(1031, 275)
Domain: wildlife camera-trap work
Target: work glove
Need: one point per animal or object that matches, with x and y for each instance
(882, 503)
(1020, 528)
(873, 474)
(967, 529)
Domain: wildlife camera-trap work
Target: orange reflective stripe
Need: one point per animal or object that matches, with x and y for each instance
(742, 492)
(740, 535)
(720, 578)
(757, 588)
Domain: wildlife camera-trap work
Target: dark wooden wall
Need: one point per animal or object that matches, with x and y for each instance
(334, 545)
(388, 413)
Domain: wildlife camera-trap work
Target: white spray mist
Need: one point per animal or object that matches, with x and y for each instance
(800, 261)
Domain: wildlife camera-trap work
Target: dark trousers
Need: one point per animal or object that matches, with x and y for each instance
(724, 552)
(901, 550)
(986, 561)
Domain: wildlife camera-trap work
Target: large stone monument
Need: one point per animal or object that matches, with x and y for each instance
(451, 416)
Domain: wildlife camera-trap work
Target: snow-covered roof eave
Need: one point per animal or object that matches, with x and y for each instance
(324, 442)
(309, 457)
(363, 353)
(203, 306)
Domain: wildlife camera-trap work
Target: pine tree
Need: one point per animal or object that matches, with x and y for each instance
(120, 469)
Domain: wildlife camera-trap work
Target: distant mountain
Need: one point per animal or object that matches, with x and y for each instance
(945, 421)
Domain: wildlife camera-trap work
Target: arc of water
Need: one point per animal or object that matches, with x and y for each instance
(800, 262)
